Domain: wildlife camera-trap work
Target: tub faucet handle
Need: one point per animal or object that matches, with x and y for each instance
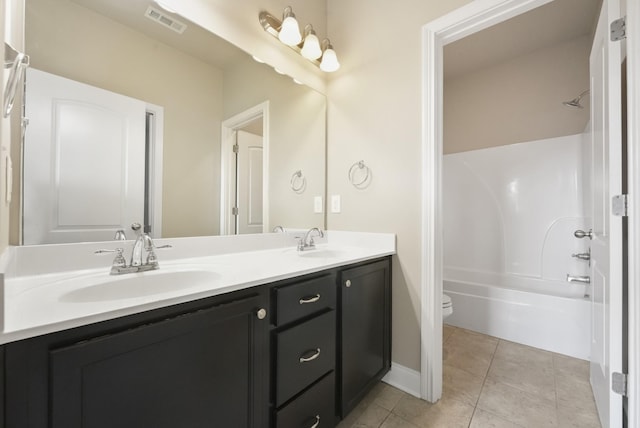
(582, 234)
(581, 279)
(582, 256)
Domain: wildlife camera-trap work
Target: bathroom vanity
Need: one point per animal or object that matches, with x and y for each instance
(300, 351)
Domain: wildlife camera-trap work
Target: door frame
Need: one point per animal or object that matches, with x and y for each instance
(460, 23)
(227, 161)
(633, 188)
(155, 169)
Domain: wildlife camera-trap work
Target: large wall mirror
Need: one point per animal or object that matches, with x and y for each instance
(133, 116)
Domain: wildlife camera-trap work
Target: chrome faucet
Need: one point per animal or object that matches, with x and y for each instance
(142, 243)
(307, 243)
(120, 235)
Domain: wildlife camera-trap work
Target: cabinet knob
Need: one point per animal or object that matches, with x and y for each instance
(261, 314)
(348, 283)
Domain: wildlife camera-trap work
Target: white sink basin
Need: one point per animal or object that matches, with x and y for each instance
(128, 286)
(322, 253)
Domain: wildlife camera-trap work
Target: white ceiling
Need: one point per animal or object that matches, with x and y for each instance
(194, 41)
(553, 23)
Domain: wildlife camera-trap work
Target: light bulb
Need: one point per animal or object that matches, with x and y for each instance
(289, 31)
(329, 61)
(311, 49)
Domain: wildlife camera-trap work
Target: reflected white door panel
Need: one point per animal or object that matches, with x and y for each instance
(84, 161)
(249, 182)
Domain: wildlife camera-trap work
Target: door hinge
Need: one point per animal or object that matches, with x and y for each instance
(619, 29)
(234, 211)
(236, 148)
(620, 205)
(619, 383)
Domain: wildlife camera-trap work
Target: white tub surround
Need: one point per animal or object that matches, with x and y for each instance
(545, 314)
(509, 217)
(49, 288)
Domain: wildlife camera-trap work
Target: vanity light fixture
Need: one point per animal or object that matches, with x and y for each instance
(311, 48)
(329, 61)
(288, 32)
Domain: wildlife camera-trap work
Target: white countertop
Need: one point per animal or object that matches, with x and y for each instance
(39, 301)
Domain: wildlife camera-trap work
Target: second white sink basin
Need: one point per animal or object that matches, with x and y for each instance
(129, 286)
(322, 253)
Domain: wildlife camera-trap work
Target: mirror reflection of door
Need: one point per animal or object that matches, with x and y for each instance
(249, 186)
(84, 161)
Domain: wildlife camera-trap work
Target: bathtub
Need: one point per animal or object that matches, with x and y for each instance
(551, 315)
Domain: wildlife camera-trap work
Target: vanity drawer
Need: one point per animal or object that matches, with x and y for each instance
(314, 406)
(304, 353)
(304, 298)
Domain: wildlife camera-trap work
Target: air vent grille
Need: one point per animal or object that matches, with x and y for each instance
(163, 19)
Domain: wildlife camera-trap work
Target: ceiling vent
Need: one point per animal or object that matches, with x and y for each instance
(164, 19)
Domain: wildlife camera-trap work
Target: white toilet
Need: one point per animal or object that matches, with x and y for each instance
(447, 306)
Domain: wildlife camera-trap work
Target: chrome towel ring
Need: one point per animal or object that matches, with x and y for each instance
(298, 182)
(359, 175)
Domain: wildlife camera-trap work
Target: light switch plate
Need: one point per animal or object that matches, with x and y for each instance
(335, 203)
(317, 204)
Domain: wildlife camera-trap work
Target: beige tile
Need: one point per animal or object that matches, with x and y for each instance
(372, 417)
(524, 355)
(575, 418)
(484, 419)
(575, 393)
(469, 351)
(461, 385)
(446, 413)
(388, 396)
(517, 406)
(569, 366)
(410, 408)
(447, 331)
(535, 377)
(394, 421)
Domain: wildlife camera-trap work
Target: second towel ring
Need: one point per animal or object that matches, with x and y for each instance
(298, 181)
(360, 165)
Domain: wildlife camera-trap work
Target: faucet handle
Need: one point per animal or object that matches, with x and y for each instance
(119, 260)
(136, 227)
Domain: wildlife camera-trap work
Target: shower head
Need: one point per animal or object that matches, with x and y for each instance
(576, 101)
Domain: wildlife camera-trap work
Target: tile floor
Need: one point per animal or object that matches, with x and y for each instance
(488, 382)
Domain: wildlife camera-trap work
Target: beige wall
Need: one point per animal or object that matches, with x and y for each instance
(518, 100)
(297, 118)
(71, 41)
(375, 115)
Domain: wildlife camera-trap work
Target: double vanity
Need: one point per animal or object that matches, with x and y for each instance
(230, 331)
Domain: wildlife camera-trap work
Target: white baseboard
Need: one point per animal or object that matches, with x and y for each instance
(404, 378)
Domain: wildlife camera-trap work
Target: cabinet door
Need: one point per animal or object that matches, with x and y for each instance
(204, 368)
(365, 330)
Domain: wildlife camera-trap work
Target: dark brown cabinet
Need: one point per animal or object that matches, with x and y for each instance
(186, 366)
(365, 330)
(296, 353)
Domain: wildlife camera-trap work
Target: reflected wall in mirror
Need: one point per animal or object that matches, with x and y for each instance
(200, 83)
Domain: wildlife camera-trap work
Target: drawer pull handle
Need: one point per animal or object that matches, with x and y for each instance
(348, 283)
(316, 423)
(315, 355)
(261, 314)
(310, 299)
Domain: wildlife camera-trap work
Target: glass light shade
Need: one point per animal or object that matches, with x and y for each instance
(311, 48)
(329, 61)
(290, 32)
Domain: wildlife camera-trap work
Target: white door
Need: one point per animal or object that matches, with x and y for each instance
(606, 245)
(249, 182)
(84, 158)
